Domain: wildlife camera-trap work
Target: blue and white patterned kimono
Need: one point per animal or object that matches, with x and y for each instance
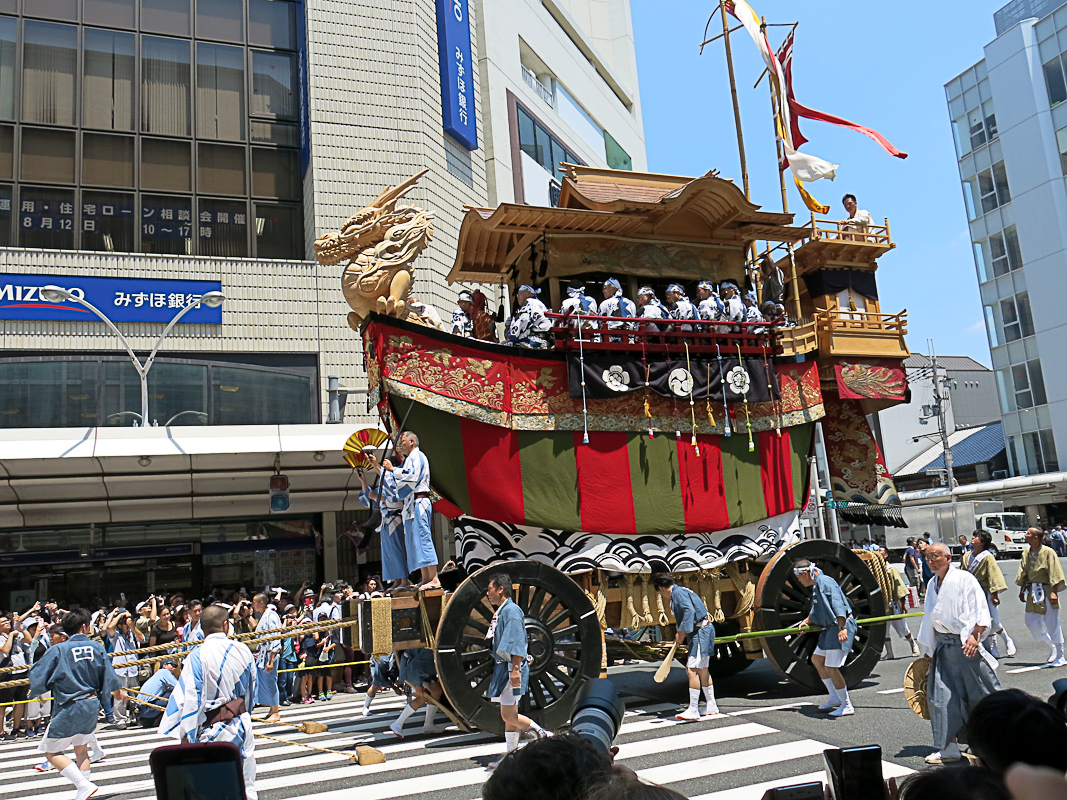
(684, 310)
(394, 554)
(509, 639)
(217, 671)
(529, 326)
(413, 488)
(76, 673)
(267, 682)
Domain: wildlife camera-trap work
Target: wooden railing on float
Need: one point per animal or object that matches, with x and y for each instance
(831, 229)
(799, 339)
(650, 336)
(861, 333)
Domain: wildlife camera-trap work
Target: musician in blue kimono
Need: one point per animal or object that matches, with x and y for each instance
(616, 305)
(695, 630)
(831, 610)
(215, 693)
(391, 529)
(413, 488)
(511, 672)
(529, 326)
(76, 673)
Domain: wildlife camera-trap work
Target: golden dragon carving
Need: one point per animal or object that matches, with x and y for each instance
(381, 243)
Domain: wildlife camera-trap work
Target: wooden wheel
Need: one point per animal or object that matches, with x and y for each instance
(782, 602)
(561, 628)
(729, 658)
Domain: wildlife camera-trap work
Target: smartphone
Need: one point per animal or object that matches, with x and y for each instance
(207, 770)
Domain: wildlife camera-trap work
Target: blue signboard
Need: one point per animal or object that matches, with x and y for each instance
(457, 72)
(120, 299)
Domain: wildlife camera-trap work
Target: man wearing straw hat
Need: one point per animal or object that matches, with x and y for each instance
(954, 623)
(831, 610)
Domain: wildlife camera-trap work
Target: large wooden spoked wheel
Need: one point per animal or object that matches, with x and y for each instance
(782, 603)
(563, 637)
(729, 658)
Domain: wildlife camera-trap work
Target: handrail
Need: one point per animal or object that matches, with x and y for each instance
(634, 334)
(837, 319)
(836, 230)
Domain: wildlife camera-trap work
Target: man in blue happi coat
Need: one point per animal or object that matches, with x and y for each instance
(696, 631)
(394, 553)
(511, 673)
(413, 488)
(76, 673)
(831, 610)
(215, 693)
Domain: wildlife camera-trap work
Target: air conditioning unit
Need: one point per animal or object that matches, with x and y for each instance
(1000, 474)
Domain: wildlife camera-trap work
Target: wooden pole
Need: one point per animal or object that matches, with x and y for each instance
(733, 96)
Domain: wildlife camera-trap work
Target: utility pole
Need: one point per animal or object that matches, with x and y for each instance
(940, 402)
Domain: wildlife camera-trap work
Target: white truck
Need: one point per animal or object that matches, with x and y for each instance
(946, 522)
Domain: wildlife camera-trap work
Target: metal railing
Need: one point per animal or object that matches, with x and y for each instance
(542, 91)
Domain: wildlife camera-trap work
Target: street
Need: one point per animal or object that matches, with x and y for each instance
(770, 734)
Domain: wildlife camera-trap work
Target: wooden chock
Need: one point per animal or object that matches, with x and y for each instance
(310, 726)
(368, 755)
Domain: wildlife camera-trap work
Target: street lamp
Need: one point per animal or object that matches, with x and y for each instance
(57, 294)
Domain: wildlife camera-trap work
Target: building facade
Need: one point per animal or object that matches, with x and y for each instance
(154, 150)
(1009, 121)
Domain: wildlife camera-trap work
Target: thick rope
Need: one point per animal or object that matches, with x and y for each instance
(636, 620)
(646, 609)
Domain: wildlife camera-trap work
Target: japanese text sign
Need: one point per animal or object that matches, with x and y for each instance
(120, 299)
(457, 72)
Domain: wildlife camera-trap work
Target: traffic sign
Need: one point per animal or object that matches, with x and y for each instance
(279, 494)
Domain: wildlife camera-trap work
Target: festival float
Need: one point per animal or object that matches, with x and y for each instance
(628, 448)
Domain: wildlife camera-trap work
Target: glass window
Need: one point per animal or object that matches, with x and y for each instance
(47, 155)
(526, 135)
(178, 393)
(274, 173)
(165, 80)
(49, 64)
(963, 143)
(1037, 382)
(220, 169)
(166, 165)
(981, 253)
(166, 224)
(271, 23)
(273, 85)
(222, 228)
(166, 16)
(280, 133)
(113, 13)
(1000, 178)
(999, 253)
(990, 119)
(1026, 319)
(53, 9)
(559, 156)
(1006, 391)
(976, 128)
(48, 394)
(1057, 90)
(7, 151)
(1061, 143)
(220, 91)
(991, 327)
(544, 148)
(259, 397)
(7, 202)
(1034, 457)
(1048, 450)
(1021, 384)
(8, 35)
(987, 191)
(108, 80)
(107, 160)
(970, 197)
(1011, 243)
(107, 222)
(279, 231)
(617, 157)
(1010, 319)
(46, 218)
(220, 19)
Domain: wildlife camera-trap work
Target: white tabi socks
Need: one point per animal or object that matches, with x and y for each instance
(428, 725)
(845, 709)
(511, 739)
(398, 726)
(1009, 645)
(692, 713)
(1059, 660)
(366, 705)
(85, 787)
(834, 700)
(709, 697)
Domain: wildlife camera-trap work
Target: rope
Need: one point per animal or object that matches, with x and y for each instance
(599, 601)
(745, 587)
(20, 702)
(646, 610)
(305, 668)
(876, 564)
(636, 620)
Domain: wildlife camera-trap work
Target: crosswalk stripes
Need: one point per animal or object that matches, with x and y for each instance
(715, 759)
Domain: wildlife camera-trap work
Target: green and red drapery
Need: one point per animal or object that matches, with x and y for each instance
(621, 482)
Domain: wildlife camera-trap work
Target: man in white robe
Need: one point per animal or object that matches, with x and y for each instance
(215, 693)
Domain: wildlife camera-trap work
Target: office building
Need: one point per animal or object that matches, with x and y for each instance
(152, 151)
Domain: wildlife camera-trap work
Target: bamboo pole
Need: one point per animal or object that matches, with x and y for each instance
(733, 96)
(809, 629)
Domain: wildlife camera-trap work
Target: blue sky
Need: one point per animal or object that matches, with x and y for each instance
(874, 64)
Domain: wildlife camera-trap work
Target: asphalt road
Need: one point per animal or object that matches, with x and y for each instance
(769, 734)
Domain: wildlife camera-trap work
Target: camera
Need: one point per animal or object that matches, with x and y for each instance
(597, 713)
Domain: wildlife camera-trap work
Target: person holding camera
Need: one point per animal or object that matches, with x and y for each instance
(511, 672)
(831, 610)
(697, 633)
(122, 635)
(75, 673)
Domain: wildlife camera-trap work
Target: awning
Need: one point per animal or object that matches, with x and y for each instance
(77, 476)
